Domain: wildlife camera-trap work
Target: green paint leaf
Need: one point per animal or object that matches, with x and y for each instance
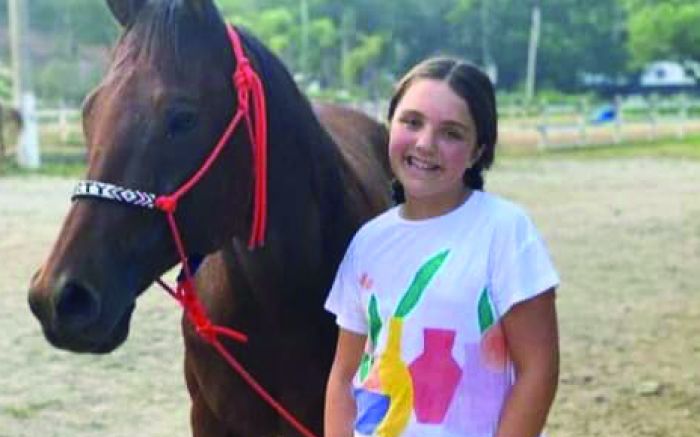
(375, 321)
(419, 283)
(365, 366)
(486, 317)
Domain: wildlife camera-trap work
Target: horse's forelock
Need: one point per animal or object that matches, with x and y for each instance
(169, 32)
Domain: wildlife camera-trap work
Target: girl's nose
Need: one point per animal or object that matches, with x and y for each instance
(426, 139)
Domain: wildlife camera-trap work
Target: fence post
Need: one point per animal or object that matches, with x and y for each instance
(63, 123)
(682, 116)
(542, 126)
(617, 133)
(582, 134)
(2, 134)
(28, 152)
(652, 116)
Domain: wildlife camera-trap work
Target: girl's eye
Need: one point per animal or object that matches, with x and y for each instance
(454, 135)
(411, 122)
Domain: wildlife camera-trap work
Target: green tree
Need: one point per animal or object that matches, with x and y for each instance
(361, 57)
(366, 44)
(576, 37)
(68, 42)
(663, 29)
(579, 39)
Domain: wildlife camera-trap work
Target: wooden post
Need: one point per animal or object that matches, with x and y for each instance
(63, 123)
(582, 122)
(617, 133)
(28, 152)
(2, 135)
(682, 116)
(542, 126)
(652, 117)
(15, 18)
(533, 46)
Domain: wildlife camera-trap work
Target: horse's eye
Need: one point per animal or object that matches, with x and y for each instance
(180, 122)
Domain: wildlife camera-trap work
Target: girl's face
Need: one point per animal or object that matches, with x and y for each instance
(432, 142)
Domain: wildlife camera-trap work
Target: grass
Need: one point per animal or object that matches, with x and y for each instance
(31, 410)
(60, 164)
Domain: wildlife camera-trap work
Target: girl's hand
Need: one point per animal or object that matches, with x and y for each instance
(339, 415)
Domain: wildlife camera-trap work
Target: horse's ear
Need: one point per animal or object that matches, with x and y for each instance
(199, 6)
(125, 10)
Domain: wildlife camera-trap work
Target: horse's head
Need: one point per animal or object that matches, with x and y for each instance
(160, 109)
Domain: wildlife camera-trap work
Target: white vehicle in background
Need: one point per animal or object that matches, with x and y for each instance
(670, 74)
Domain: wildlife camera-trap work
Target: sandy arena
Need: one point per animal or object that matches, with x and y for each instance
(625, 235)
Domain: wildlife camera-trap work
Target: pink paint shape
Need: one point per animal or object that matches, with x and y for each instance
(480, 396)
(494, 352)
(435, 376)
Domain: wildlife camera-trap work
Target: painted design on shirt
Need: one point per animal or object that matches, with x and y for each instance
(476, 407)
(484, 385)
(435, 375)
(389, 380)
(375, 325)
(493, 344)
(366, 282)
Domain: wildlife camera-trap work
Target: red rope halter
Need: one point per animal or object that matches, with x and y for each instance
(246, 81)
(251, 96)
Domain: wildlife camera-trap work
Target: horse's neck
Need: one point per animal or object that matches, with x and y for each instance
(309, 218)
(309, 170)
(314, 190)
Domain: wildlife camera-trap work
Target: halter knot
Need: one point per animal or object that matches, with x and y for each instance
(167, 204)
(243, 85)
(243, 75)
(195, 312)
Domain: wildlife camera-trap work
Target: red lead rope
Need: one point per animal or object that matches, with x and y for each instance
(246, 82)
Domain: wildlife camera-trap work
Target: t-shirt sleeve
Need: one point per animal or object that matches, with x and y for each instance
(344, 298)
(521, 267)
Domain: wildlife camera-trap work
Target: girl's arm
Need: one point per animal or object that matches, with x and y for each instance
(533, 343)
(340, 410)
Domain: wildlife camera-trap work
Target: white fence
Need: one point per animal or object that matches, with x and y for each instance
(546, 125)
(62, 122)
(630, 119)
(535, 127)
(549, 125)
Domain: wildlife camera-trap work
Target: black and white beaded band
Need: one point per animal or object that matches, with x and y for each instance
(105, 191)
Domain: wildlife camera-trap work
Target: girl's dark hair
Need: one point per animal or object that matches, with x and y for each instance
(476, 89)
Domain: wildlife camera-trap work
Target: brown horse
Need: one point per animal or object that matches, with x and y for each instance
(151, 122)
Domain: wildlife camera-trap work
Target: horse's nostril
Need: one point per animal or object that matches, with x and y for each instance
(35, 304)
(76, 307)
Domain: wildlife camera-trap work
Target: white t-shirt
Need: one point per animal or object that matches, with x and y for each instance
(429, 295)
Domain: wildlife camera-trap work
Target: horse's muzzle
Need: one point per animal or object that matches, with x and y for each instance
(71, 317)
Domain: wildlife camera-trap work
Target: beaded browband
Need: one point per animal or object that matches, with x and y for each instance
(115, 193)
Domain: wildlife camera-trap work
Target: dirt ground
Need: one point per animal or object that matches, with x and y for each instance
(625, 235)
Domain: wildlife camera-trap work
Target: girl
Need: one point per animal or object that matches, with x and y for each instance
(445, 302)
